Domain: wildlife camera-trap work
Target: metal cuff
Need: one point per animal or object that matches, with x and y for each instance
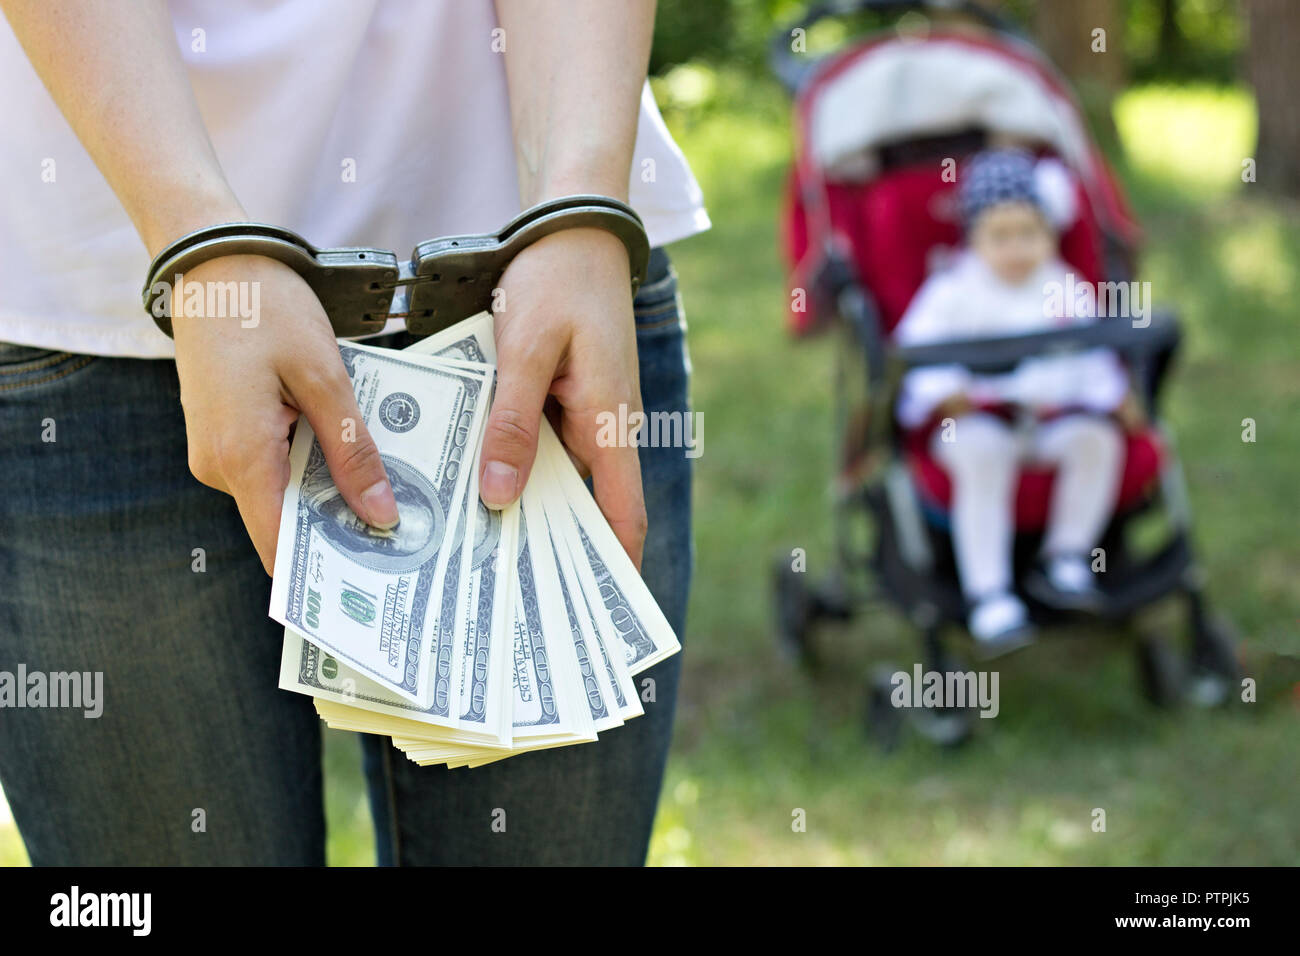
(445, 281)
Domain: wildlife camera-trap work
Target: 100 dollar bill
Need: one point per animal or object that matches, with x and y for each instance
(369, 596)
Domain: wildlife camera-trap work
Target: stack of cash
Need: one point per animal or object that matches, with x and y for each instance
(467, 635)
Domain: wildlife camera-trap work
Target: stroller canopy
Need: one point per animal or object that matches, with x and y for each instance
(901, 89)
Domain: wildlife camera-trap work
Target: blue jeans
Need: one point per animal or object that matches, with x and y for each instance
(198, 757)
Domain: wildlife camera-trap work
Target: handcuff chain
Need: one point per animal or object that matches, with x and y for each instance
(446, 279)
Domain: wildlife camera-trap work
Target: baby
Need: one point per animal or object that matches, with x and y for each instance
(1064, 410)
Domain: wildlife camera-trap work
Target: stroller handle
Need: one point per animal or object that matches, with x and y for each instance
(792, 69)
(992, 355)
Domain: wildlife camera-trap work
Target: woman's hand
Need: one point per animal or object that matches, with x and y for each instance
(242, 389)
(564, 328)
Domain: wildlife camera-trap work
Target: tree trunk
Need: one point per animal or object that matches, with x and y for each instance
(1169, 45)
(1273, 50)
(1084, 39)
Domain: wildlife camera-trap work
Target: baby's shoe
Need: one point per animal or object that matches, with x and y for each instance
(1000, 624)
(1065, 582)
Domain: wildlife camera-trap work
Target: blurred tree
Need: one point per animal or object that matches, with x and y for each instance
(1170, 40)
(1085, 39)
(1018, 13)
(1274, 28)
(1183, 40)
(717, 31)
(1146, 40)
(692, 30)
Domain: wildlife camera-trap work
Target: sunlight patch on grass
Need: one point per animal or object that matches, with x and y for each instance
(1188, 136)
(673, 843)
(12, 852)
(1254, 258)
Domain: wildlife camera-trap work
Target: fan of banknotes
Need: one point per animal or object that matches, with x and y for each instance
(465, 634)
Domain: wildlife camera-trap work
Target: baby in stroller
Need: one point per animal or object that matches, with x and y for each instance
(1068, 411)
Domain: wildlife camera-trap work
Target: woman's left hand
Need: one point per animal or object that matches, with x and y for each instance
(564, 328)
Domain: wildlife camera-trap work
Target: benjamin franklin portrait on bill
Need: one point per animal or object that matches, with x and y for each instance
(413, 542)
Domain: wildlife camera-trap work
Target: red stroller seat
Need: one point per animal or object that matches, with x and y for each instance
(1142, 463)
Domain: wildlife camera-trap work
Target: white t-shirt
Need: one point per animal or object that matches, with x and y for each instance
(967, 300)
(296, 95)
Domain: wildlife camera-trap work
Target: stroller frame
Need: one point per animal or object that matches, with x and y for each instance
(911, 560)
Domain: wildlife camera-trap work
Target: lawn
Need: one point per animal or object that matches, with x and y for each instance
(758, 740)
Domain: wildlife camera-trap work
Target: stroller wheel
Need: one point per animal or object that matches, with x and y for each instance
(1214, 670)
(1161, 671)
(795, 610)
(946, 726)
(884, 721)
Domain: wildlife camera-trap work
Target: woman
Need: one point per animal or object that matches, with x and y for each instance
(376, 123)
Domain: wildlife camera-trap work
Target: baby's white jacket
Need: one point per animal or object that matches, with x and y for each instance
(967, 300)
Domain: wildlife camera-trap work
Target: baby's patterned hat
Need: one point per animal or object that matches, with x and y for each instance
(997, 176)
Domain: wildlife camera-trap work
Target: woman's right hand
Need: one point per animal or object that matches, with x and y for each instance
(243, 385)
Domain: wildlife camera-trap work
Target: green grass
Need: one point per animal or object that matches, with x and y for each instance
(757, 739)
(11, 847)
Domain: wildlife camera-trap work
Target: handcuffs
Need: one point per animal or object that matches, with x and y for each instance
(446, 279)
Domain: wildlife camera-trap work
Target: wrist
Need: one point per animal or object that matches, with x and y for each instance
(603, 257)
(167, 222)
(596, 177)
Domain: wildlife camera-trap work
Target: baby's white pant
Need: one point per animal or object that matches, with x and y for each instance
(983, 460)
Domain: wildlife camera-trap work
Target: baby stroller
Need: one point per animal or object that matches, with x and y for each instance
(867, 206)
